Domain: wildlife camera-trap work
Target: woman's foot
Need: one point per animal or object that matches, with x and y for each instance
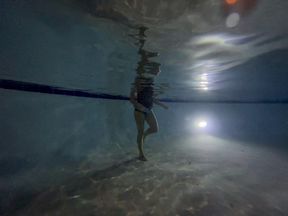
(142, 158)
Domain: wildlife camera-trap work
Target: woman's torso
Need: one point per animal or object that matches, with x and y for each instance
(145, 96)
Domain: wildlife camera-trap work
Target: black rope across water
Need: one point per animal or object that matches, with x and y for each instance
(39, 88)
(47, 89)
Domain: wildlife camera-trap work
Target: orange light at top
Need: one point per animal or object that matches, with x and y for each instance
(231, 2)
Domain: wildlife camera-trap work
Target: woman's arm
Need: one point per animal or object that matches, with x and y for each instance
(133, 94)
(156, 101)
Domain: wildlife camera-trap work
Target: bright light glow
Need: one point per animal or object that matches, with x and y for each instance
(232, 20)
(209, 40)
(198, 124)
(203, 77)
(202, 124)
(231, 2)
(203, 83)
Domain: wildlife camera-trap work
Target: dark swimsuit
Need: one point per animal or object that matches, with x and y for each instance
(145, 97)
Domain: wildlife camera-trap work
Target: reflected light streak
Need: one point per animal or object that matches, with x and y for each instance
(203, 83)
(203, 77)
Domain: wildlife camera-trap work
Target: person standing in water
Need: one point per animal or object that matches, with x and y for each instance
(142, 98)
(142, 94)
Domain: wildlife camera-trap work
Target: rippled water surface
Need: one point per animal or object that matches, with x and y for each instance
(205, 50)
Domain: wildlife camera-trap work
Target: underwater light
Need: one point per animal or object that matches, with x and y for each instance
(231, 2)
(198, 124)
(202, 124)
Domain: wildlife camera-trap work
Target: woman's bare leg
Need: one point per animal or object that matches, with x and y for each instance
(140, 120)
(153, 124)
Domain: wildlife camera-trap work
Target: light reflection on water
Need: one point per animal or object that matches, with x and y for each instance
(199, 60)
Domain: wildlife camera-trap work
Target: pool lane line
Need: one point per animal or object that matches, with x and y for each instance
(47, 89)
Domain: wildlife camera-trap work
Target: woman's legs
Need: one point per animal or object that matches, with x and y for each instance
(153, 124)
(140, 120)
(141, 135)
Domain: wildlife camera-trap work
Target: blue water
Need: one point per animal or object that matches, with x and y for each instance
(68, 136)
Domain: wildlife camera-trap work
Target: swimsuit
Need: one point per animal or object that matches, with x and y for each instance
(145, 97)
(145, 113)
